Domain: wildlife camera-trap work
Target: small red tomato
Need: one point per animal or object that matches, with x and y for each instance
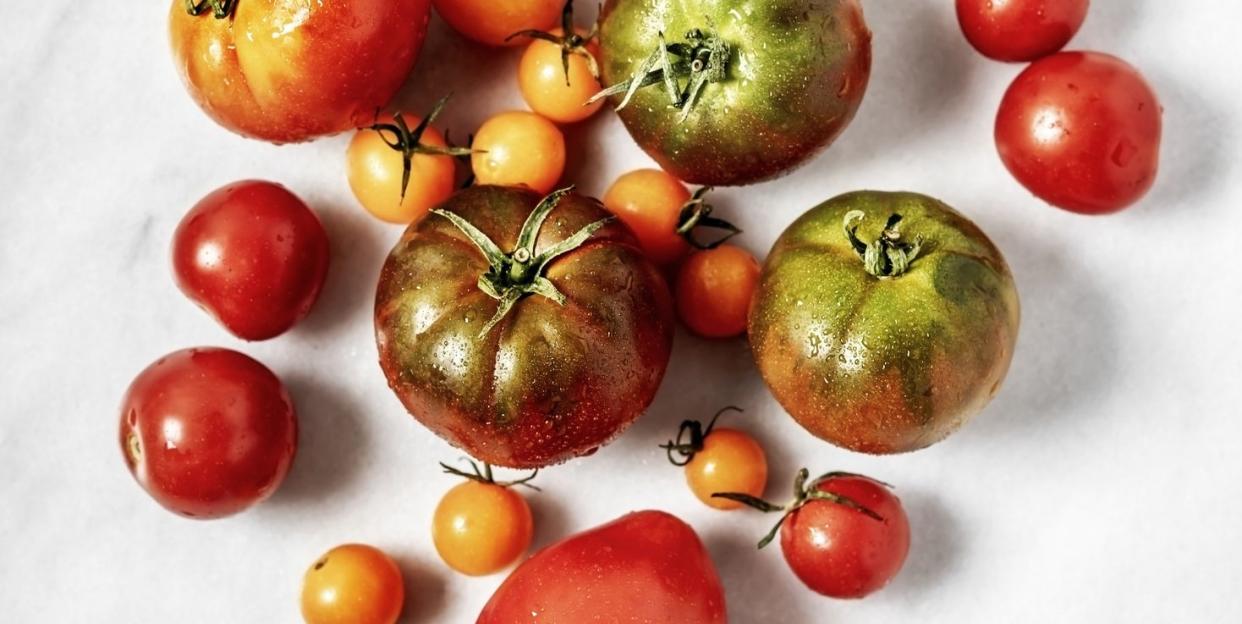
(1081, 130)
(253, 256)
(208, 432)
(1020, 30)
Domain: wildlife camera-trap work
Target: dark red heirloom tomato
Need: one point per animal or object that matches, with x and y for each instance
(208, 432)
(525, 331)
(1081, 130)
(647, 566)
(253, 256)
(286, 71)
(1020, 30)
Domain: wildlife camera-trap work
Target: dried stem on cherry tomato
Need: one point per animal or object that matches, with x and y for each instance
(803, 493)
(484, 475)
(688, 448)
(408, 141)
(569, 40)
(888, 255)
(697, 213)
(220, 9)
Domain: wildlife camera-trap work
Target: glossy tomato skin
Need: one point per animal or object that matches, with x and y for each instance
(647, 566)
(1020, 30)
(481, 528)
(841, 552)
(252, 255)
(884, 365)
(714, 289)
(649, 201)
(286, 71)
(548, 383)
(208, 432)
(490, 22)
(816, 54)
(353, 584)
(1081, 130)
(542, 80)
(730, 461)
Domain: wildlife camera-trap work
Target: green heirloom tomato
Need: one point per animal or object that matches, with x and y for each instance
(883, 321)
(525, 332)
(729, 93)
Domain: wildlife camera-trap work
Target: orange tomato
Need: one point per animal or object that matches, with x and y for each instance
(518, 148)
(730, 461)
(549, 90)
(714, 289)
(490, 22)
(375, 172)
(649, 201)
(481, 528)
(287, 72)
(353, 584)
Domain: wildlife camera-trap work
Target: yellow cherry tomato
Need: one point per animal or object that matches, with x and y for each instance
(730, 461)
(375, 171)
(649, 201)
(353, 584)
(546, 87)
(519, 149)
(481, 528)
(713, 291)
(492, 21)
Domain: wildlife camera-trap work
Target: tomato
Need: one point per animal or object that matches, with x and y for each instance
(888, 336)
(714, 288)
(646, 566)
(719, 460)
(353, 584)
(1020, 30)
(1081, 130)
(722, 124)
(518, 355)
(287, 72)
(252, 255)
(491, 23)
(649, 201)
(519, 149)
(557, 79)
(482, 526)
(208, 432)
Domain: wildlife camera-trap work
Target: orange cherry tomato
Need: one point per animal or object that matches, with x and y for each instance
(552, 92)
(731, 461)
(353, 584)
(375, 171)
(714, 289)
(480, 526)
(491, 22)
(518, 148)
(649, 201)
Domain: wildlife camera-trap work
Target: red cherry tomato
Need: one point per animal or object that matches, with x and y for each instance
(1081, 130)
(253, 256)
(1020, 30)
(208, 432)
(841, 552)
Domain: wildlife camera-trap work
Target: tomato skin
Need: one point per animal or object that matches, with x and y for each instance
(549, 382)
(541, 78)
(884, 365)
(815, 53)
(208, 432)
(288, 72)
(518, 148)
(375, 173)
(714, 289)
(481, 528)
(353, 584)
(841, 552)
(1081, 130)
(490, 22)
(649, 201)
(730, 461)
(1020, 30)
(647, 566)
(252, 255)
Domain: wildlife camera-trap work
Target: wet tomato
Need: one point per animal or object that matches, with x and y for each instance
(353, 584)
(649, 201)
(482, 526)
(525, 331)
(1081, 130)
(714, 288)
(557, 77)
(518, 148)
(887, 336)
(287, 72)
(252, 255)
(758, 88)
(1020, 30)
(647, 566)
(490, 22)
(208, 432)
(719, 460)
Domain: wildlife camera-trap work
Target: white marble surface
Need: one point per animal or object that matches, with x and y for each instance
(1101, 486)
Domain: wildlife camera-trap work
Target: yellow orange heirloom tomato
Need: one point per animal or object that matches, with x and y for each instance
(518, 148)
(491, 22)
(481, 526)
(713, 291)
(353, 584)
(719, 460)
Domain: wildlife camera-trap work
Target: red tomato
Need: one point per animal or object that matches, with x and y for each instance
(291, 71)
(1081, 130)
(1020, 30)
(208, 432)
(841, 552)
(253, 256)
(647, 566)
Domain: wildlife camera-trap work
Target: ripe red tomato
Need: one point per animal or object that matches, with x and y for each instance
(253, 256)
(647, 566)
(1020, 30)
(291, 71)
(208, 432)
(1081, 130)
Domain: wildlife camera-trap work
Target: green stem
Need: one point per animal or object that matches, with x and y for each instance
(888, 255)
(409, 142)
(220, 9)
(685, 68)
(569, 40)
(484, 475)
(697, 213)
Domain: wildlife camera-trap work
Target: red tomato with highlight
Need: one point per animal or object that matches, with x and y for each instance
(208, 432)
(1081, 130)
(1020, 30)
(253, 256)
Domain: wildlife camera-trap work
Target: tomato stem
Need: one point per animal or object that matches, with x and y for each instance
(220, 9)
(409, 142)
(697, 213)
(484, 475)
(886, 256)
(685, 68)
(569, 40)
(693, 428)
(803, 493)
